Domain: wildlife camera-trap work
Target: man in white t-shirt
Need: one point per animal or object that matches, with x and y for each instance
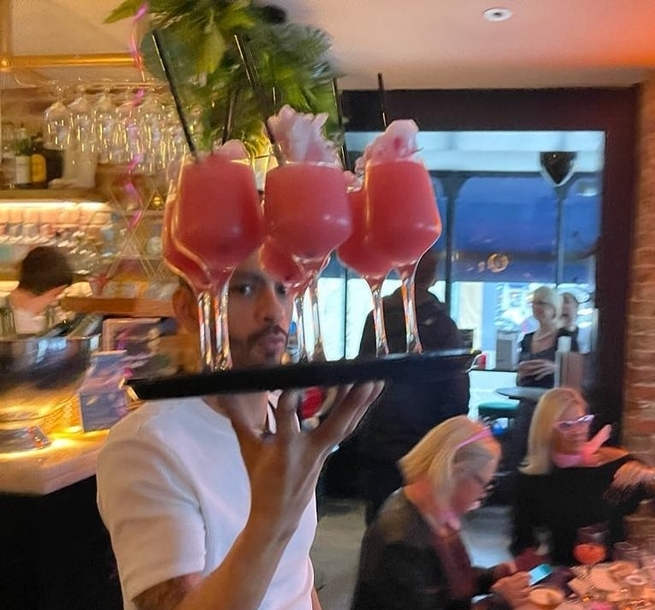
(210, 501)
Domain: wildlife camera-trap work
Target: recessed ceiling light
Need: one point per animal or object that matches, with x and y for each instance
(497, 13)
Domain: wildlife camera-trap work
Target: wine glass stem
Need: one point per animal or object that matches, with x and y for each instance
(299, 305)
(318, 354)
(222, 360)
(204, 300)
(407, 290)
(381, 345)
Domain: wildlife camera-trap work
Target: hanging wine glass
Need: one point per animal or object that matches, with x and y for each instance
(403, 223)
(361, 255)
(104, 124)
(57, 123)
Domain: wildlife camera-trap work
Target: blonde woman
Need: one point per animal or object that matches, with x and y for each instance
(412, 556)
(564, 481)
(537, 357)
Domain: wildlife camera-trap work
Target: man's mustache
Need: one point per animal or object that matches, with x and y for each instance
(272, 330)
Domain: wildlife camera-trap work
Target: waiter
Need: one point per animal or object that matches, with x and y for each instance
(42, 277)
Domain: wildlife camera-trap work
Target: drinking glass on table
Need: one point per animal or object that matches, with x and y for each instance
(218, 224)
(403, 223)
(591, 545)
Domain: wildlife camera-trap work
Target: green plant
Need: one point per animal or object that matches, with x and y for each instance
(290, 61)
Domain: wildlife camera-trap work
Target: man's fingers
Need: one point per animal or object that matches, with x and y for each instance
(346, 413)
(286, 414)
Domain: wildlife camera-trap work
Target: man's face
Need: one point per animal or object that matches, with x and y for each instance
(259, 314)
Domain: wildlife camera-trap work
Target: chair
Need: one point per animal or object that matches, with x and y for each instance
(492, 410)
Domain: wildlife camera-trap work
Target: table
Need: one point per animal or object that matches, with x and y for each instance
(522, 392)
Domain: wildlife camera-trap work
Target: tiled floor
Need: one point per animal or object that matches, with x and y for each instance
(336, 549)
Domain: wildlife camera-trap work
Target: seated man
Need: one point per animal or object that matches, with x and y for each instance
(42, 277)
(210, 501)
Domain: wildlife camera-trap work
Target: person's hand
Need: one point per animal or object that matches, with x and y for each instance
(538, 368)
(513, 589)
(283, 468)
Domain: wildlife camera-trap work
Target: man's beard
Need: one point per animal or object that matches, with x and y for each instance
(242, 350)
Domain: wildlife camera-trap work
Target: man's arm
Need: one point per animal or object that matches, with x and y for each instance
(283, 470)
(316, 604)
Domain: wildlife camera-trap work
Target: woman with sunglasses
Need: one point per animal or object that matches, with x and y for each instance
(568, 481)
(412, 556)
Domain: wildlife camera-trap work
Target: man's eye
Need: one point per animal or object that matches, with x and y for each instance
(282, 289)
(242, 289)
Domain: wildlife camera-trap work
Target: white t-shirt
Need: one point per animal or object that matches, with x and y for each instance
(26, 323)
(174, 494)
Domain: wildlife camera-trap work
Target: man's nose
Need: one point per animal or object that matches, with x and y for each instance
(270, 307)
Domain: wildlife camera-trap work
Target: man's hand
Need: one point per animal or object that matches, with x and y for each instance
(283, 467)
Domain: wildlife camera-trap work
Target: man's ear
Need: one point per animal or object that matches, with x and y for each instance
(185, 309)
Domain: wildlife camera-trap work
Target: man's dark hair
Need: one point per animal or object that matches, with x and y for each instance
(44, 268)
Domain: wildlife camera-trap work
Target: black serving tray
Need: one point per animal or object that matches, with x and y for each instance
(431, 365)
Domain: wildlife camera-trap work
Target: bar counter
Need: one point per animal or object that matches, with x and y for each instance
(55, 553)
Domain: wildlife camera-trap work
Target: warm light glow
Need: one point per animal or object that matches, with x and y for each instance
(91, 206)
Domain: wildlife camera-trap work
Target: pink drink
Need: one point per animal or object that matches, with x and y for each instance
(218, 219)
(281, 266)
(359, 252)
(589, 553)
(306, 209)
(404, 219)
(178, 262)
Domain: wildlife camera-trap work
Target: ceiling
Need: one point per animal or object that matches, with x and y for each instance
(415, 44)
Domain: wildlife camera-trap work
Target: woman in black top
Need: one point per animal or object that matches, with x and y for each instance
(536, 367)
(568, 482)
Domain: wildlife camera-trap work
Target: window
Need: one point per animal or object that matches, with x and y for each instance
(507, 229)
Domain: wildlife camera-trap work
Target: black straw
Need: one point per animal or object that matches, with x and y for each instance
(345, 159)
(229, 115)
(166, 67)
(383, 101)
(251, 74)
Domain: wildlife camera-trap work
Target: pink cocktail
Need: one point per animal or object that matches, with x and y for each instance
(281, 266)
(404, 218)
(218, 223)
(306, 209)
(191, 272)
(403, 222)
(361, 254)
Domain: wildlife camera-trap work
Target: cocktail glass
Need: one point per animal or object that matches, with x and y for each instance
(360, 254)
(189, 270)
(403, 223)
(591, 545)
(218, 223)
(306, 212)
(281, 266)
(312, 271)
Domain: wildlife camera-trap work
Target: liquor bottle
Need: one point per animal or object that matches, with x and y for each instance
(38, 163)
(8, 161)
(23, 150)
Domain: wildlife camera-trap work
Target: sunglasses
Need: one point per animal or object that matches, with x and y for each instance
(568, 425)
